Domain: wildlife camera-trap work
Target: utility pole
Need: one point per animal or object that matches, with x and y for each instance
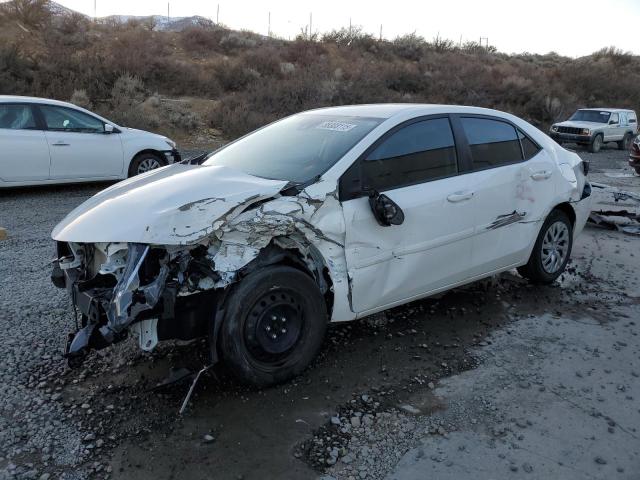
(95, 10)
(269, 26)
(380, 32)
(349, 25)
(310, 25)
(168, 15)
(218, 15)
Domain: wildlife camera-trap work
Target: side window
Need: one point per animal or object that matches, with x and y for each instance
(17, 117)
(615, 118)
(624, 120)
(529, 148)
(63, 119)
(493, 143)
(632, 119)
(419, 152)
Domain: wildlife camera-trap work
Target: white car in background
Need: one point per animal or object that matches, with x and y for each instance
(46, 141)
(325, 216)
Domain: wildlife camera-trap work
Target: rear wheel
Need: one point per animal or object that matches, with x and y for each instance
(625, 143)
(145, 162)
(274, 325)
(551, 251)
(596, 143)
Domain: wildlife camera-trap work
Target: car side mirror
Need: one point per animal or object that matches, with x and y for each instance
(385, 210)
(108, 128)
(612, 122)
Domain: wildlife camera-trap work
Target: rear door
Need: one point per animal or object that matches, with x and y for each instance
(80, 147)
(24, 152)
(512, 179)
(415, 165)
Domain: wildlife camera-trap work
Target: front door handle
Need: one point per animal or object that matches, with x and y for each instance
(60, 143)
(460, 196)
(541, 175)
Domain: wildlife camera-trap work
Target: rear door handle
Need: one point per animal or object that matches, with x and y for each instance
(460, 196)
(541, 175)
(60, 143)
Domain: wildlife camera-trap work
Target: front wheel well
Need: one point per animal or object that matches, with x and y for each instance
(148, 151)
(306, 259)
(157, 153)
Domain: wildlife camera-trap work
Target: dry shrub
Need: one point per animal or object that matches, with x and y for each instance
(30, 13)
(16, 72)
(199, 39)
(409, 47)
(81, 99)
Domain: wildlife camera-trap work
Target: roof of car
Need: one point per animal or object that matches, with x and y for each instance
(611, 110)
(20, 99)
(388, 110)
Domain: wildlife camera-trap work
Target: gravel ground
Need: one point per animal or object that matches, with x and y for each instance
(381, 390)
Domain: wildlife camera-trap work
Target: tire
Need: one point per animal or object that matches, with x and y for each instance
(543, 267)
(274, 324)
(625, 143)
(596, 143)
(145, 162)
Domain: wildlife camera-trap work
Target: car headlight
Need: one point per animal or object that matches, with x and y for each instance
(586, 131)
(554, 128)
(171, 143)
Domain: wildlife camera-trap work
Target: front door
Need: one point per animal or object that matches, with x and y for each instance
(416, 166)
(615, 132)
(80, 148)
(24, 153)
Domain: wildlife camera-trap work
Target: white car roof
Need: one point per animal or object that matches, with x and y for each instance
(610, 110)
(389, 110)
(20, 99)
(48, 101)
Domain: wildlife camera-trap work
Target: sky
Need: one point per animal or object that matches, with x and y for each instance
(572, 28)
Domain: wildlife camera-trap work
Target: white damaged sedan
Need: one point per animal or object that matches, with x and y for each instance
(325, 216)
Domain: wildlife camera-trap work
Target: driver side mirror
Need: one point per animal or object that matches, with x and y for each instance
(385, 210)
(108, 128)
(612, 122)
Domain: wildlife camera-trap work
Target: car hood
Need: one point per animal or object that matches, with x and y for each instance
(137, 133)
(175, 205)
(580, 124)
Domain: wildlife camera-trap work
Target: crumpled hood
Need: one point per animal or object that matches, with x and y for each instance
(175, 205)
(580, 124)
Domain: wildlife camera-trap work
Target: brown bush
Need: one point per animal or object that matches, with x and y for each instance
(255, 79)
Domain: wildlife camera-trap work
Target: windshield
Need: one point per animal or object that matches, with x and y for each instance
(591, 116)
(297, 149)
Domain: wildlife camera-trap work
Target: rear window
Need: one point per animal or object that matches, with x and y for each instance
(493, 143)
(16, 117)
(529, 148)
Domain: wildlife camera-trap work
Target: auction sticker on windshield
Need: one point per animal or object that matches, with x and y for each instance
(336, 126)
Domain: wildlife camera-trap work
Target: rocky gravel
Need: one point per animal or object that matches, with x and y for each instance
(373, 396)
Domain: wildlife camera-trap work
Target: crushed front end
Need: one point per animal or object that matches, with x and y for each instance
(161, 292)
